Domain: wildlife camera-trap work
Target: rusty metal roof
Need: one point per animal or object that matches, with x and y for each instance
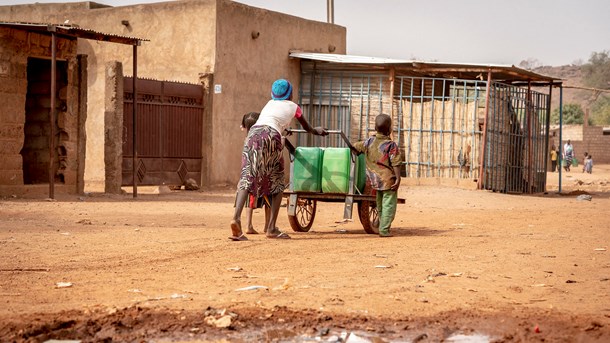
(67, 30)
(508, 73)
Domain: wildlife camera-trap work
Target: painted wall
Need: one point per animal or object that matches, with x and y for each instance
(251, 52)
(16, 46)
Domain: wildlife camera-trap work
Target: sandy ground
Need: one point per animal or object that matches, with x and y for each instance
(160, 268)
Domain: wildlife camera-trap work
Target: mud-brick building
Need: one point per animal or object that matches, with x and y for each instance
(25, 103)
(233, 52)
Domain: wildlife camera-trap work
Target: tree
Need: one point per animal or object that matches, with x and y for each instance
(600, 111)
(530, 64)
(572, 114)
(596, 73)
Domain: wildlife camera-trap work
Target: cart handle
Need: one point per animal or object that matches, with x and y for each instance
(339, 132)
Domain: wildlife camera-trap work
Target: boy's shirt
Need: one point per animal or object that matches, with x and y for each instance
(381, 155)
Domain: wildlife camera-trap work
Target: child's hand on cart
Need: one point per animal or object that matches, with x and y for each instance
(319, 131)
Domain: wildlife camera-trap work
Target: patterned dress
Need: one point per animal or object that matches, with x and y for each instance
(262, 161)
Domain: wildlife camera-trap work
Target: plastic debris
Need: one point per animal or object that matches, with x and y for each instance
(251, 288)
(582, 197)
(63, 284)
(600, 249)
(235, 269)
(382, 266)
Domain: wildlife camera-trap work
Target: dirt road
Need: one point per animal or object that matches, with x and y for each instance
(463, 262)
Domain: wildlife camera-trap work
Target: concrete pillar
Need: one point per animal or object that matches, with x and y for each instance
(81, 145)
(113, 127)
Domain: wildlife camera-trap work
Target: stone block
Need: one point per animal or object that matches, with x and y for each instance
(13, 85)
(11, 162)
(66, 121)
(10, 147)
(11, 177)
(10, 131)
(12, 105)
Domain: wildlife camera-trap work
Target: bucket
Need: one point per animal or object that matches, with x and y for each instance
(307, 176)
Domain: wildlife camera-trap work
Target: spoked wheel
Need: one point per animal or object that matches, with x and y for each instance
(304, 215)
(369, 217)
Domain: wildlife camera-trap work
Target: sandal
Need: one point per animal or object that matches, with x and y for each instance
(236, 228)
(281, 235)
(239, 238)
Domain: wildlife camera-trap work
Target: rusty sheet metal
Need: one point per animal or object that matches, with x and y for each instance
(72, 31)
(468, 71)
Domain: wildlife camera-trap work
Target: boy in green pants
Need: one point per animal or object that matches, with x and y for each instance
(382, 170)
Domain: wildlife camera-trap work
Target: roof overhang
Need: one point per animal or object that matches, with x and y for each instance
(71, 31)
(505, 73)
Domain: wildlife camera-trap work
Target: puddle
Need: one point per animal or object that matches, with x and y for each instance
(474, 338)
(289, 336)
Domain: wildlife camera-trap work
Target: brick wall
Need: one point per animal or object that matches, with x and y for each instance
(16, 46)
(589, 139)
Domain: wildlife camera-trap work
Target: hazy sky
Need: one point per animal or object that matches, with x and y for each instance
(555, 32)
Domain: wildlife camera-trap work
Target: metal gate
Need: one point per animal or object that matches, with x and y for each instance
(169, 132)
(438, 123)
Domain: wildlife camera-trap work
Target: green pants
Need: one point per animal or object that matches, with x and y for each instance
(386, 207)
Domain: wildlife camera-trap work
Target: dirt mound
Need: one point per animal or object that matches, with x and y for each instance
(282, 324)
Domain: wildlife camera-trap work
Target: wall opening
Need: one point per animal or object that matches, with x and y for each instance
(35, 152)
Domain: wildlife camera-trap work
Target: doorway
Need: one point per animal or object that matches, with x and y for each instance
(37, 129)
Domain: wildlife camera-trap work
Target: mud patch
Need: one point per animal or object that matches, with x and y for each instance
(280, 324)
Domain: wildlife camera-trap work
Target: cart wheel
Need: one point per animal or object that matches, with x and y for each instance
(369, 217)
(304, 215)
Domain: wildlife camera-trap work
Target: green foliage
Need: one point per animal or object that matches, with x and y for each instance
(600, 111)
(572, 114)
(596, 73)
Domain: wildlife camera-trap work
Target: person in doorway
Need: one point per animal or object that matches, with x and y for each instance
(553, 158)
(588, 164)
(383, 161)
(568, 155)
(262, 172)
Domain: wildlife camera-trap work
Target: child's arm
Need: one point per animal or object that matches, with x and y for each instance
(356, 148)
(353, 150)
(397, 175)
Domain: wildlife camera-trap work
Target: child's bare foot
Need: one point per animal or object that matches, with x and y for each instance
(251, 231)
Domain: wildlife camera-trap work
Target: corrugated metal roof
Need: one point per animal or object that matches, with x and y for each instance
(72, 31)
(435, 69)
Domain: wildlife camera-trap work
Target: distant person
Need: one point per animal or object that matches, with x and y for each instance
(568, 155)
(583, 161)
(383, 161)
(553, 158)
(588, 164)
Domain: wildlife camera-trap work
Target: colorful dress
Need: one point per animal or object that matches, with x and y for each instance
(262, 161)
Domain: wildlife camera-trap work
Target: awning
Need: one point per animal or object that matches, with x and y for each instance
(507, 73)
(64, 30)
